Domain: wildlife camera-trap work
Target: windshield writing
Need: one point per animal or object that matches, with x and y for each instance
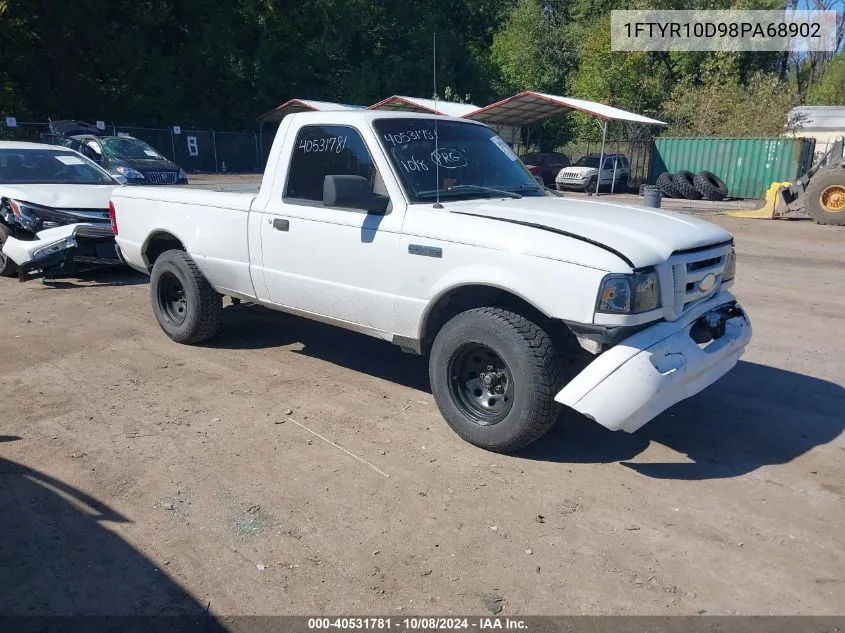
(449, 159)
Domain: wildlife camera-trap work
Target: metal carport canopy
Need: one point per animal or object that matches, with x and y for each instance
(430, 106)
(529, 107)
(304, 105)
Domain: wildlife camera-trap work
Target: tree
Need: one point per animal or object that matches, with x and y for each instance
(222, 62)
(723, 106)
(530, 51)
(830, 90)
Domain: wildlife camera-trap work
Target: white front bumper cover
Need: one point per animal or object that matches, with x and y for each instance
(631, 383)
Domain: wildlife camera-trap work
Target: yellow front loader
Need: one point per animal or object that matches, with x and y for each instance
(818, 195)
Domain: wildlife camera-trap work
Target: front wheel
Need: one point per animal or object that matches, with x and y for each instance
(186, 306)
(494, 375)
(826, 197)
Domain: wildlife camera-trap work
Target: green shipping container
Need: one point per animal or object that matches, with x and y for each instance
(747, 165)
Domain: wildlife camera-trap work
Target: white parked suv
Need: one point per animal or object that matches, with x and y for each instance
(584, 174)
(430, 233)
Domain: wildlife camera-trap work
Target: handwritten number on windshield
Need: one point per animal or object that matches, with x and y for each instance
(410, 136)
(413, 164)
(334, 144)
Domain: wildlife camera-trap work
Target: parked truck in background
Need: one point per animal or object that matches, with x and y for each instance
(430, 233)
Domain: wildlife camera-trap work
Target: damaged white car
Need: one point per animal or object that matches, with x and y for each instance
(54, 212)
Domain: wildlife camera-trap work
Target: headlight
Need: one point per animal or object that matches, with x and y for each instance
(629, 294)
(26, 215)
(132, 174)
(730, 267)
(181, 175)
(61, 245)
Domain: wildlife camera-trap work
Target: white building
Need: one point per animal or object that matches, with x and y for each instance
(823, 123)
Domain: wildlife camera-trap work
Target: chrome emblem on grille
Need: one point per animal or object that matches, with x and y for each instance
(707, 283)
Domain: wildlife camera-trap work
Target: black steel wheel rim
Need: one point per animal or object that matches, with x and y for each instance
(481, 384)
(172, 302)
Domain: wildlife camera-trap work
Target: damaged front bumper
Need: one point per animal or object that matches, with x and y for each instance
(63, 250)
(645, 374)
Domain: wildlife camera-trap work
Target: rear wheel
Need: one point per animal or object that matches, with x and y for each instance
(8, 268)
(826, 197)
(186, 306)
(494, 376)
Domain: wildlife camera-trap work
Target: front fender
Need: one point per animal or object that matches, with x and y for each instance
(559, 290)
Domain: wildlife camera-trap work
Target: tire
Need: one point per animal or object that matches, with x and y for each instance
(590, 187)
(683, 183)
(665, 183)
(525, 367)
(8, 268)
(184, 303)
(825, 195)
(710, 186)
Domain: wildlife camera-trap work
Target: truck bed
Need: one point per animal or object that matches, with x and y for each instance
(212, 225)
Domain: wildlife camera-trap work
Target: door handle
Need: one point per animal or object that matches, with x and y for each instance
(281, 225)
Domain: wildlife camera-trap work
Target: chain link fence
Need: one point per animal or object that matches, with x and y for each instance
(195, 151)
(212, 151)
(638, 151)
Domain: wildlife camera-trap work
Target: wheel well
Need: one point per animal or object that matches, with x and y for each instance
(157, 244)
(466, 298)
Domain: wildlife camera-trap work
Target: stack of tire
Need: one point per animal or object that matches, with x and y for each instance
(685, 184)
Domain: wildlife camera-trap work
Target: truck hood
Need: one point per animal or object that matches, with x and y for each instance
(67, 196)
(641, 235)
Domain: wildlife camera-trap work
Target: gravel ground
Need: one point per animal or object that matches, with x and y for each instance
(141, 476)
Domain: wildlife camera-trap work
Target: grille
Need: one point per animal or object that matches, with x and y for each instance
(569, 174)
(161, 177)
(689, 269)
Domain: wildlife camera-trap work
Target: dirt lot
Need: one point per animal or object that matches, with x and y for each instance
(141, 476)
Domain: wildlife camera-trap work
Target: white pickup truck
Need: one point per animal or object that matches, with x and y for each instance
(430, 233)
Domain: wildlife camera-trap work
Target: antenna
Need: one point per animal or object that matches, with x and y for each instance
(437, 204)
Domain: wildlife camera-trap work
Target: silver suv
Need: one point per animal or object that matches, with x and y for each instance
(584, 174)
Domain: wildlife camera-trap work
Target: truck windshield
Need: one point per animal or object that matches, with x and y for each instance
(49, 167)
(470, 160)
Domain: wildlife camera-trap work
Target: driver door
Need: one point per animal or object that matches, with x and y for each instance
(333, 262)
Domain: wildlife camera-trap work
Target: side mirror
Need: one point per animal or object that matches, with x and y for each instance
(352, 192)
(121, 179)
